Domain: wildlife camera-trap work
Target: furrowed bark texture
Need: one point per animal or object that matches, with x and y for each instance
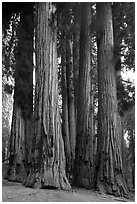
(83, 169)
(110, 175)
(49, 170)
(20, 139)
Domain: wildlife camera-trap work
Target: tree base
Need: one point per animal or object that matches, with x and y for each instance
(15, 174)
(35, 180)
(119, 189)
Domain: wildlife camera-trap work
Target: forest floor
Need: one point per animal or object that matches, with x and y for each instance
(16, 192)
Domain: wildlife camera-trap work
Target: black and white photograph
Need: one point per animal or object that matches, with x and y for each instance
(68, 101)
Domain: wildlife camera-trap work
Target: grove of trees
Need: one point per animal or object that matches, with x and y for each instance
(71, 105)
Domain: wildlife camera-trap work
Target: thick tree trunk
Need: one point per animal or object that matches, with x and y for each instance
(83, 169)
(20, 139)
(110, 175)
(49, 168)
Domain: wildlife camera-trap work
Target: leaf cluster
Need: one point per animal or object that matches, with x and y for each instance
(124, 32)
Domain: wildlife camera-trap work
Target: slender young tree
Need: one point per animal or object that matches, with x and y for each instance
(49, 157)
(71, 101)
(83, 168)
(76, 36)
(65, 112)
(109, 169)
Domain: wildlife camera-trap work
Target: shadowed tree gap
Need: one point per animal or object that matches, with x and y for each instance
(65, 112)
(71, 102)
(20, 138)
(67, 80)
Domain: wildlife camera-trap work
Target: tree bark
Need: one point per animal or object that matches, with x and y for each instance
(49, 157)
(83, 169)
(109, 169)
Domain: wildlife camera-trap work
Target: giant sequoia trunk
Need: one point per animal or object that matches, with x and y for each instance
(49, 158)
(83, 169)
(20, 139)
(110, 175)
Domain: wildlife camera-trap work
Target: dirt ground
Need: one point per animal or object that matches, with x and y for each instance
(15, 192)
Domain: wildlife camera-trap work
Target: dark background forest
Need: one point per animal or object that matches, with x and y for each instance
(68, 103)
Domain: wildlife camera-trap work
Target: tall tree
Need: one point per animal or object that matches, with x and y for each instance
(49, 157)
(20, 138)
(71, 101)
(67, 78)
(76, 36)
(109, 169)
(83, 168)
(65, 114)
